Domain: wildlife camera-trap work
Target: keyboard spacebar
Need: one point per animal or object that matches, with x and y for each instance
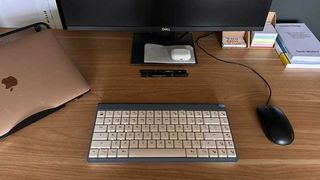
(157, 153)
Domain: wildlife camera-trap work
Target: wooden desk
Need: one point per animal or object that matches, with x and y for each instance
(56, 147)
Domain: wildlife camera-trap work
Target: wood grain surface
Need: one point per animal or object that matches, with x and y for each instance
(56, 146)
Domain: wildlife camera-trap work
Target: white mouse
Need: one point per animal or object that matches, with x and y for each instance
(180, 54)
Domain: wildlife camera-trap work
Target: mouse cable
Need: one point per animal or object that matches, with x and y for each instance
(234, 63)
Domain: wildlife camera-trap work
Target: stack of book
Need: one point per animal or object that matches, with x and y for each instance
(265, 38)
(297, 46)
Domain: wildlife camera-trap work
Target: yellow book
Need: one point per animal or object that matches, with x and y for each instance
(284, 59)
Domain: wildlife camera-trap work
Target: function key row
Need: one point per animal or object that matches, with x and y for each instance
(162, 114)
(142, 120)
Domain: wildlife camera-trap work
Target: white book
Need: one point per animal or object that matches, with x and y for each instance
(303, 66)
(295, 66)
(301, 44)
(18, 13)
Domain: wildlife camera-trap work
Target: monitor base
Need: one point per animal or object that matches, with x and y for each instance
(161, 38)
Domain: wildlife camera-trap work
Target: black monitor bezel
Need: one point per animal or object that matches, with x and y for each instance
(157, 29)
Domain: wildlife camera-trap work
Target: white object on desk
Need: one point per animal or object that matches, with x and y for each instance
(165, 132)
(180, 54)
(177, 54)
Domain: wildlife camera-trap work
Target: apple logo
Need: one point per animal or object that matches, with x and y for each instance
(9, 82)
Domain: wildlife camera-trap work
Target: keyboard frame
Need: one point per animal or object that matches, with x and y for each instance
(161, 106)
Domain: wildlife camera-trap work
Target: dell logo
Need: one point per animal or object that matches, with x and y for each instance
(165, 29)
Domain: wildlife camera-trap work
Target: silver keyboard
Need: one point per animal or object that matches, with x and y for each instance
(161, 132)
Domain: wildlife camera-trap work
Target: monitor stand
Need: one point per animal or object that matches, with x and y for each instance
(160, 38)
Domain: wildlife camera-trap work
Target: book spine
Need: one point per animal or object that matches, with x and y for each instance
(283, 47)
(278, 42)
(285, 61)
(277, 48)
(283, 58)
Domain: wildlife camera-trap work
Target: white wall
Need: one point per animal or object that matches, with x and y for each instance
(306, 11)
(18, 13)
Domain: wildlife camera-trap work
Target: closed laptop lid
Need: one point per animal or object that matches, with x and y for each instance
(35, 75)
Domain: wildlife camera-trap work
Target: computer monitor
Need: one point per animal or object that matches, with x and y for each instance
(157, 21)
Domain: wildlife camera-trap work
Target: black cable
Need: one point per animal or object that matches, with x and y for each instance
(36, 26)
(182, 36)
(235, 63)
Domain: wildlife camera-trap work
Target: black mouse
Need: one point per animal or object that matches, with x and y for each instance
(276, 125)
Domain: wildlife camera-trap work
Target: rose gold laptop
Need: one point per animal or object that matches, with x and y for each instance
(36, 79)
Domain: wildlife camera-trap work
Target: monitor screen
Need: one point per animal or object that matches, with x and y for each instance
(163, 15)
